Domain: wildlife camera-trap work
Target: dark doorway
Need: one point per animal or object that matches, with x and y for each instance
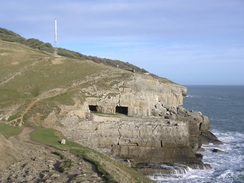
(122, 110)
(93, 108)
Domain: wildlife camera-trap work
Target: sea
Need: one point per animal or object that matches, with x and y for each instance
(224, 105)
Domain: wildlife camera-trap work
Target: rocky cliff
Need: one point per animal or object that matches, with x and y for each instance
(172, 138)
(129, 115)
(138, 95)
(154, 128)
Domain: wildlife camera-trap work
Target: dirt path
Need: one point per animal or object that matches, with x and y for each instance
(24, 136)
(41, 163)
(19, 120)
(18, 73)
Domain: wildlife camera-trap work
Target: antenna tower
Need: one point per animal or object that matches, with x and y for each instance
(55, 36)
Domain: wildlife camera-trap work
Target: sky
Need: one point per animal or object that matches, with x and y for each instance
(191, 42)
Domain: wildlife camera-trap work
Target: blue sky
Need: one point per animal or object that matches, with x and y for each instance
(186, 41)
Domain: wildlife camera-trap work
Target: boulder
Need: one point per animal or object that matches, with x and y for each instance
(172, 110)
(159, 110)
(216, 150)
(207, 137)
(181, 110)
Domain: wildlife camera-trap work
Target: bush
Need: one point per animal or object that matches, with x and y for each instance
(7, 35)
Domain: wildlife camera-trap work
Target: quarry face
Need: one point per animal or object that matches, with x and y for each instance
(140, 120)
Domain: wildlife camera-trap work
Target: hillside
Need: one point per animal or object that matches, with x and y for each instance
(132, 116)
(29, 73)
(35, 83)
(7, 35)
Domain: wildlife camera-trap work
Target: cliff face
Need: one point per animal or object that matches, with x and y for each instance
(142, 140)
(154, 128)
(127, 114)
(139, 95)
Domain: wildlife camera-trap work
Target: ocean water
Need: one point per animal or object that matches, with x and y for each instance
(224, 105)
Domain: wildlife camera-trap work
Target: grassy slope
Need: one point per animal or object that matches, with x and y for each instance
(111, 170)
(26, 74)
(8, 130)
(37, 69)
(10, 36)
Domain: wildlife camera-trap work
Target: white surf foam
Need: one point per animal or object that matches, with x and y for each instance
(227, 166)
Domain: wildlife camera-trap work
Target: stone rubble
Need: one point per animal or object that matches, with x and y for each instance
(40, 163)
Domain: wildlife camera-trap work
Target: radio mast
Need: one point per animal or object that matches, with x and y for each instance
(55, 36)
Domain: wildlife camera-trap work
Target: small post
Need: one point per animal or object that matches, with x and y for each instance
(55, 36)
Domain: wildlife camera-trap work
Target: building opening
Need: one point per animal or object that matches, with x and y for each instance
(122, 110)
(93, 108)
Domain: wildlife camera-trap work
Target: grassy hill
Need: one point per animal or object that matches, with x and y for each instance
(29, 72)
(7, 35)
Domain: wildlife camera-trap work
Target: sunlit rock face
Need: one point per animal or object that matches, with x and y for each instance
(154, 127)
(142, 140)
(137, 96)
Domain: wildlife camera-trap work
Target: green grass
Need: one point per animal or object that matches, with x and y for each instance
(8, 130)
(64, 98)
(52, 137)
(9, 94)
(44, 108)
(110, 170)
(10, 36)
(13, 117)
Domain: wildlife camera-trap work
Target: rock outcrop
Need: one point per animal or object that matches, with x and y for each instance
(142, 140)
(154, 127)
(7, 152)
(135, 96)
(135, 116)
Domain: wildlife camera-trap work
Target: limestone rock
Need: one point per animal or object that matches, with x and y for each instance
(8, 154)
(141, 95)
(154, 126)
(208, 137)
(142, 140)
(157, 129)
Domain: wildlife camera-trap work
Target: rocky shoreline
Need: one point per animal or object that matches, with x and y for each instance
(176, 137)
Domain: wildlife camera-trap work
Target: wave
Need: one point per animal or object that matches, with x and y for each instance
(205, 97)
(227, 166)
(192, 96)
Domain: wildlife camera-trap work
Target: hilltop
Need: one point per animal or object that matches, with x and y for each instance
(7, 35)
